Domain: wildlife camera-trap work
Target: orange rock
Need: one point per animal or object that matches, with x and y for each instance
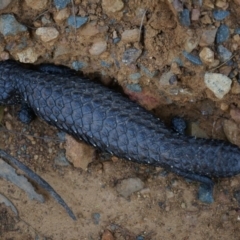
(107, 235)
(79, 153)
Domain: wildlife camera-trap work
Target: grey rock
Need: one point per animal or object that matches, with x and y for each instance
(205, 194)
(128, 186)
(223, 34)
(134, 87)
(131, 55)
(134, 76)
(61, 159)
(80, 21)
(223, 53)
(60, 4)
(192, 58)
(184, 17)
(220, 14)
(9, 26)
(77, 65)
(147, 72)
(116, 40)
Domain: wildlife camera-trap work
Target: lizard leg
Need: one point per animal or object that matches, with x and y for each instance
(26, 114)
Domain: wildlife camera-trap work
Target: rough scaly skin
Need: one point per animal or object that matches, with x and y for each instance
(111, 122)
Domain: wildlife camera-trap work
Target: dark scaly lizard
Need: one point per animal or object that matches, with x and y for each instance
(111, 122)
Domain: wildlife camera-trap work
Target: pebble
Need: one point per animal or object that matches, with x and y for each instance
(220, 14)
(112, 6)
(231, 131)
(77, 65)
(4, 3)
(60, 4)
(134, 87)
(116, 40)
(96, 218)
(195, 14)
(107, 235)
(208, 37)
(140, 238)
(206, 55)
(165, 78)
(98, 48)
(235, 88)
(184, 18)
(224, 106)
(47, 34)
(206, 20)
(179, 125)
(192, 58)
(61, 159)
(219, 84)
(223, 34)
(79, 153)
(190, 44)
(147, 72)
(9, 26)
(223, 53)
(178, 5)
(80, 21)
(131, 35)
(134, 76)
(222, 4)
(195, 131)
(28, 55)
(131, 55)
(62, 15)
(128, 186)
(205, 194)
(37, 4)
(175, 68)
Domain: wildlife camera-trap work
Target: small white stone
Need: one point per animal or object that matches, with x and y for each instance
(47, 34)
(218, 83)
(207, 55)
(190, 44)
(131, 35)
(28, 56)
(98, 48)
(112, 5)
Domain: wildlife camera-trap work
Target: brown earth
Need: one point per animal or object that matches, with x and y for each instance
(167, 207)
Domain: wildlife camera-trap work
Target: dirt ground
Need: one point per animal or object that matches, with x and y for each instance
(167, 207)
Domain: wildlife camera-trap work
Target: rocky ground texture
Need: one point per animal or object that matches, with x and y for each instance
(175, 58)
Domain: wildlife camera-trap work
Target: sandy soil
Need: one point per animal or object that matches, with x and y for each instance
(168, 206)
